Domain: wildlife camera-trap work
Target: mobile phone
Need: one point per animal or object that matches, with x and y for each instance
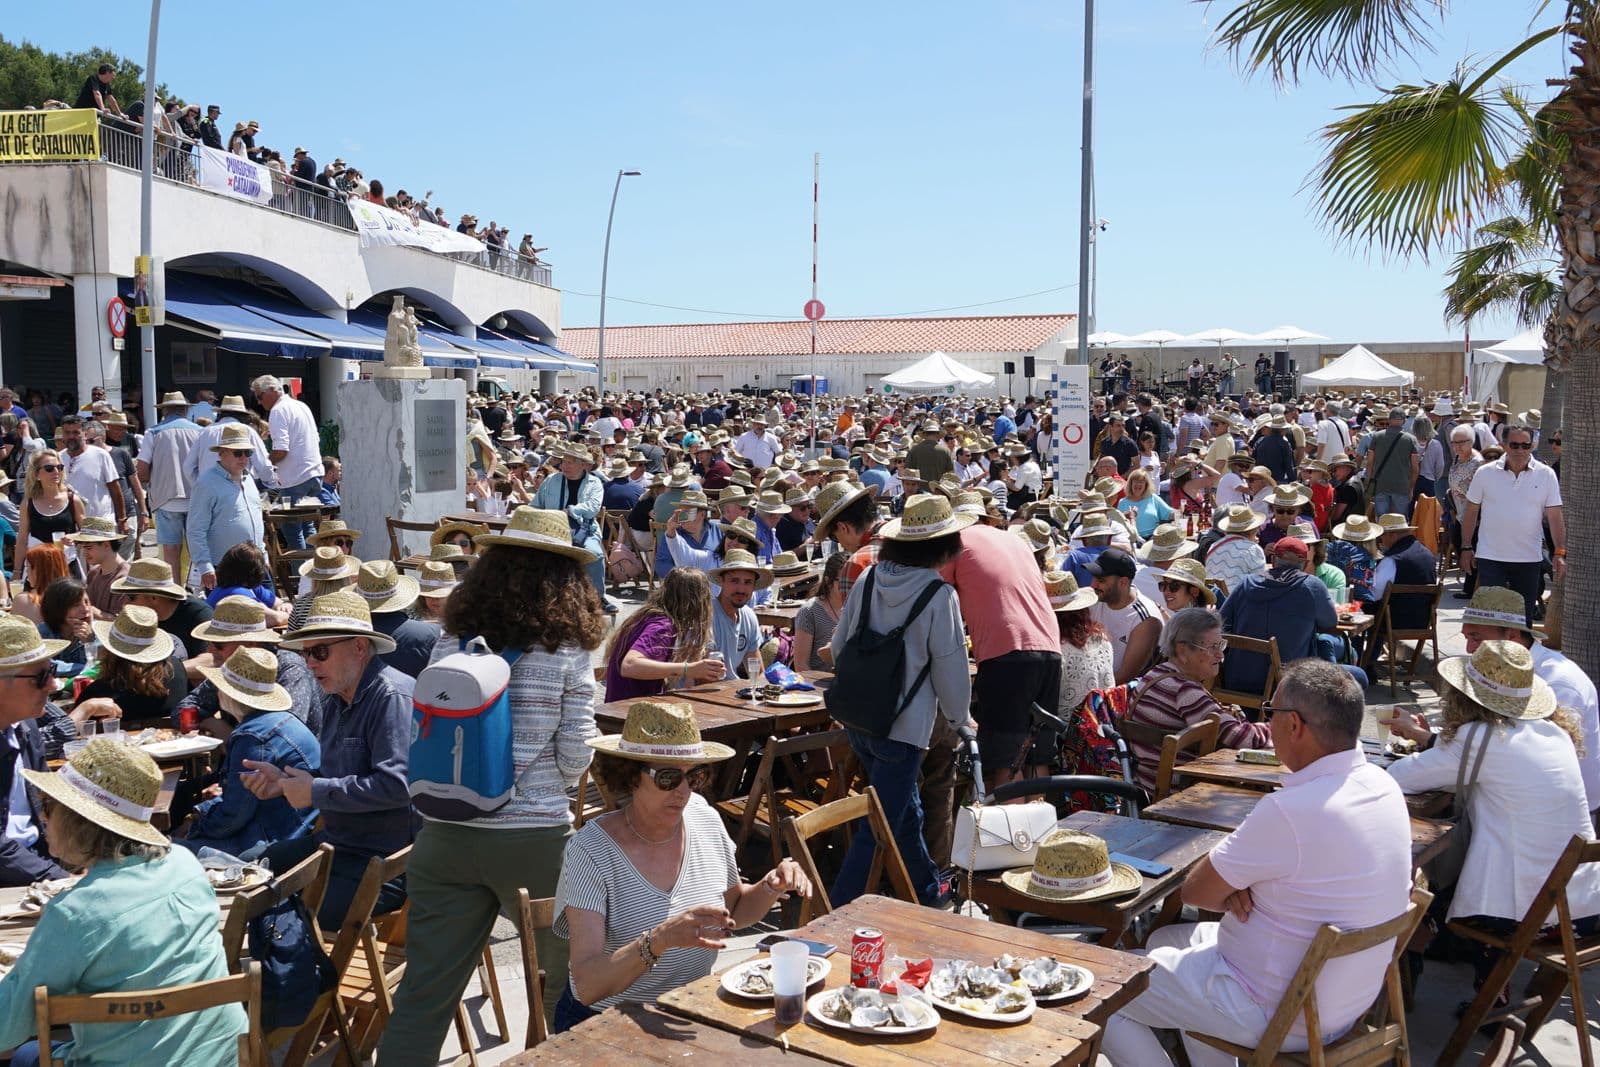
(817, 948)
(1143, 866)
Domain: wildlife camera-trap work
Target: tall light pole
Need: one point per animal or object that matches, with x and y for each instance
(147, 333)
(605, 268)
(1086, 192)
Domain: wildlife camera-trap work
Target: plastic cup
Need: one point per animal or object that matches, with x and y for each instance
(111, 728)
(789, 980)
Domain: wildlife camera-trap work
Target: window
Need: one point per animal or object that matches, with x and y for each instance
(194, 363)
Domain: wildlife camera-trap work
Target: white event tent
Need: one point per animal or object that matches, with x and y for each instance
(936, 373)
(1489, 364)
(1358, 367)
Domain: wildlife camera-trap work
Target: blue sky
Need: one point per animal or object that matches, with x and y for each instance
(949, 137)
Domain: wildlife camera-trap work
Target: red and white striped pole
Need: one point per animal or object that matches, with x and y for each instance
(816, 174)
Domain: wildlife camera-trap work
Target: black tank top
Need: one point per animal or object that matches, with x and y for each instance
(44, 527)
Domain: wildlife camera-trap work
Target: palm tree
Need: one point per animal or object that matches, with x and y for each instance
(1407, 173)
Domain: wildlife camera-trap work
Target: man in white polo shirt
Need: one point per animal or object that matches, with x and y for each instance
(296, 449)
(758, 446)
(1514, 497)
(1332, 846)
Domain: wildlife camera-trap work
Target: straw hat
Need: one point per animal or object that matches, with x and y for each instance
(739, 560)
(695, 500)
(341, 614)
(772, 503)
(446, 529)
(134, 635)
(328, 529)
(112, 785)
(235, 437)
(1357, 528)
(1073, 866)
(834, 498)
(1191, 572)
(787, 563)
(329, 564)
(546, 531)
(926, 516)
(1167, 542)
(21, 645)
(1094, 524)
(1341, 460)
(1533, 417)
(1240, 519)
(237, 618)
(1259, 471)
(93, 528)
(436, 579)
(1065, 594)
(744, 529)
(250, 676)
(233, 405)
(1037, 534)
(1288, 495)
(1305, 531)
(1107, 487)
(1242, 459)
(1394, 522)
(660, 731)
(1495, 605)
(1499, 676)
(149, 576)
(384, 588)
(681, 477)
(173, 400)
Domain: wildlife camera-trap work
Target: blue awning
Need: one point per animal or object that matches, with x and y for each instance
(570, 361)
(519, 348)
(195, 303)
(347, 340)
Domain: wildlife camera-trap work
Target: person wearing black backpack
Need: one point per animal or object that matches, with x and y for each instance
(900, 632)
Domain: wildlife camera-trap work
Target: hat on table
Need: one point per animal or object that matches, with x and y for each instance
(384, 588)
(250, 676)
(152, 577)
(237, 618)
(1073, 866)
(336, 615)
(1499, 676)
(546, 531)
(788, 563)
(660, 731)
(112, 785)
(1065, 594)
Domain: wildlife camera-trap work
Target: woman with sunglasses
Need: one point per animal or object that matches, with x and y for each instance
(50, 509)
(1184, 585)
(648, 892)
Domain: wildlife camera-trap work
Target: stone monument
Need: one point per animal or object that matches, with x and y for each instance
(402, 354)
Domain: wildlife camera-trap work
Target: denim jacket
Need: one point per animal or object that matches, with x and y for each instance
(237, 821)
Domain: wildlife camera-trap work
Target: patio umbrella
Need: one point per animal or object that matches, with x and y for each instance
(1156, 337)
(1285, 334)
(1106, 337)
(1219, 335)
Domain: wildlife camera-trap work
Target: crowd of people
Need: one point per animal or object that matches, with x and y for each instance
(942, 521)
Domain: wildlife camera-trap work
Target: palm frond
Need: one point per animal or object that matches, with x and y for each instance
(1533, 175)
(1511, 266)
(1415, 166)
(1350, 38)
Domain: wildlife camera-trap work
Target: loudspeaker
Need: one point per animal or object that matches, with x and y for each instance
(1027, 366)
(1292, 369)
(1280, 362)
(1011, 368)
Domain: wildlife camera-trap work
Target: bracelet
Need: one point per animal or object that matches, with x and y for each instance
(1562, 553)
(646, 952)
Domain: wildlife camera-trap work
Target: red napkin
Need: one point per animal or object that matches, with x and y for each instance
(916, 976)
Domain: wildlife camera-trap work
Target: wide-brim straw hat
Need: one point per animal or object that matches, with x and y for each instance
(471, 529)
(384, 588)
(660, 731)
(329, 564)
(834, 498)
(1073, 866)
(1288, 495)
(1305, 531)
(1240, 519)
(250, 676)
(134, 635)
(1036, 533)
(435, 578)
(112, 785)
(173, 400)
(1495, 605)
(235, 436)
(1499, 676)
(21, 645)
(545, 531)
(336, 615)
(1066, 594)
(926, 516)
(695, 500)
(328, 529)
(740, 560)
(237, 618)
(1191, 572)
(93, 528)
(772, 503)
(680, 478)
(233, 405)
(788, 563)
(1167, 542)
(744, 529)
(149, 576)
(1357, 528)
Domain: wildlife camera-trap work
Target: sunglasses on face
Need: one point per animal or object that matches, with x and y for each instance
(1286, 511)
(41, 678)
(240, 453)
(321, 652)
(51, 468)
(1171, 585)
(667, 779)
(1520, 446)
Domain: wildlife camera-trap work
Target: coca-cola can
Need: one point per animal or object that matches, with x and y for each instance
(866, 958)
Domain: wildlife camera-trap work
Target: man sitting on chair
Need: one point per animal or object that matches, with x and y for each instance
(1332, 846)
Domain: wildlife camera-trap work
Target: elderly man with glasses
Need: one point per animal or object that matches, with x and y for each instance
(1514, 497)
(26, 676)
(225, 507)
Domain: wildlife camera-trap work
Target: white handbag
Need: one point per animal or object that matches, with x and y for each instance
(1000, 836)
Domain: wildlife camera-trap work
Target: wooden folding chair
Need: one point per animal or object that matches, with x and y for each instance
(1378, 1037)
(397, 527)
(139, 1006)
(1560, 965)
(1383, 632)
(1267, 647)
(763, 809)
(590, 799)
(533, 916)
(309, 880)
(800, 830)
(1198, 740)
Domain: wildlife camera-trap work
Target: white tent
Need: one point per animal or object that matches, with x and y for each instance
(937, 373)
(1488, 364)
(1359, 367)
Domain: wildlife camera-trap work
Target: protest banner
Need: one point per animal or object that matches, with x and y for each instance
(231, 175)
(378, 225)
(49, 136)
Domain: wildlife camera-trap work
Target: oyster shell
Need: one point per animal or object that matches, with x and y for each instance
(946, 978)
(904, 1013)
(1045, 976)
(838, 1007)
(870, 1016)
(1010, 1000)
(1011, 964)
(984, 981)
(757, 981)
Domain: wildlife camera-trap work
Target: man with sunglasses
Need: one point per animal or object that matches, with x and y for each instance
(26, 674)
(1514, 496)
(225, 507)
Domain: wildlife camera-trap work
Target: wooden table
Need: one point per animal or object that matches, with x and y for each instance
(1066, 1034)
(1180, 847)
(494, 522)
(1213, 806)
(644, 1034)
(773, 615)
(1223, 767)
(1353, 625)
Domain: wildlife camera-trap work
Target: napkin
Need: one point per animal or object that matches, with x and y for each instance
(915, 976)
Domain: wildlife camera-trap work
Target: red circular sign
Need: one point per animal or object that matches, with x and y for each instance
(814, 310)
(117, 316)
(1072, 433)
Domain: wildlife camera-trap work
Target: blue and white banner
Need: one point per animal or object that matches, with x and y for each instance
(233, 175)
(1070, 455)
(379, 225)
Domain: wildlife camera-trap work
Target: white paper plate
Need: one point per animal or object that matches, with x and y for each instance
(795, 700)
(814, 1009)
(181, 746)
(817, 969)
(1080, 984)
(987, 1016)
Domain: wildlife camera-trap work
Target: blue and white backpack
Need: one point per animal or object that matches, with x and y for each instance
(461, 738)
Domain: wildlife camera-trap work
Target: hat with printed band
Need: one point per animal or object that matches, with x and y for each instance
(329, 564)
(740, 560)
(134, 635)
(1065, 594)
(660, 731)
(436, 579)
(149, 577)
(336, 615)
(1495, 605)
(94, 529)
(926, 516)
(1167, 542)
(111, 784)
(384, 588)
(21, 645)
(1499, 676)
(250, 676)
(545, 531)
(1073, 866)
(237, 619)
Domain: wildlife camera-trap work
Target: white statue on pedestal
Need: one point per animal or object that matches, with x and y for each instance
(402, 354)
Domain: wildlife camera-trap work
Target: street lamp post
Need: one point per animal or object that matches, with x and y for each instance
(1086, 190)
(605, 268)
(147, 332)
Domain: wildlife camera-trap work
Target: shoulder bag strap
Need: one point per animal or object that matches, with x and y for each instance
(1377, 471)
(1464, 782)
(923, 599)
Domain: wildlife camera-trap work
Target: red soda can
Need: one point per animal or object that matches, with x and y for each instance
(866, 958)
(188, 720)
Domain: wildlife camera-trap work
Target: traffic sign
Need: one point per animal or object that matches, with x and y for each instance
(814, 310)
(117, 316)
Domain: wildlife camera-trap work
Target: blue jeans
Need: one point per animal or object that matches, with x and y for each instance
(1331, 647)
(1392, 504)
(569, 1012)
(295, 533)
(27, 1054)
(893, 768)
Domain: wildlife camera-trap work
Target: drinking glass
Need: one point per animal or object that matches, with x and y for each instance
(111, 728)
(789, 980)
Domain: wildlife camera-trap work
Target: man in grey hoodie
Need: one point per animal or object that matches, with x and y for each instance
(913, 548)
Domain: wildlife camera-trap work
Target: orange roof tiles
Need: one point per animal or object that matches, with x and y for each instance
(989, 333)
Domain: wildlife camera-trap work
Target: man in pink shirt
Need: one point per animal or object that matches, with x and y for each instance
(1332, 846)
(1015, 641)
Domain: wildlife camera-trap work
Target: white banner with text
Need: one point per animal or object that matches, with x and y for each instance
(232, 175)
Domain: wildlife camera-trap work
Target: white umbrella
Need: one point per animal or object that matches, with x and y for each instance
(1107, 337)
(1218, 335)
(1157, 337)
(1285, 334)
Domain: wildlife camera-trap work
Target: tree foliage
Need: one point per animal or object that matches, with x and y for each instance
(29, 75)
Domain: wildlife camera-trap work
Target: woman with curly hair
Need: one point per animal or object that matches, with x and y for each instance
(140, 668)
(528, 597)
(663, 645)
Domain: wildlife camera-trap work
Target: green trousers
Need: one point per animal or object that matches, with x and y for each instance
(459, 879)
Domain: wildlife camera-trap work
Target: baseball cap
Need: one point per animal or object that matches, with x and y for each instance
(1291, 546)
(1115, 563)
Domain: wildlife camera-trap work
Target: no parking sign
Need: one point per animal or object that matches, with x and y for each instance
(117, 316)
